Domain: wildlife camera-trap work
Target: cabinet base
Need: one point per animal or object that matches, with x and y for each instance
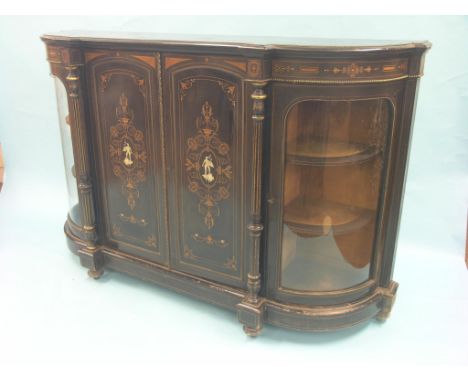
(378, 304)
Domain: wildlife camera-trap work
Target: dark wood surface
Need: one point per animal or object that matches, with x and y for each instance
(131, 196)
(259, 42)
(179, 147)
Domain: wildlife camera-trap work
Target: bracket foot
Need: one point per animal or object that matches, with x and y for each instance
(251, 316)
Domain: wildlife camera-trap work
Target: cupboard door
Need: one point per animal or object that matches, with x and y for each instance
(324, 225)
(207, 174)
(128, 154)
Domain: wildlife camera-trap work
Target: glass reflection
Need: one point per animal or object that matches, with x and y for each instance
(334, 153)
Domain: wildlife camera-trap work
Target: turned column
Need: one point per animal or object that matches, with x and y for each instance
(89, 256)
(250, 311)
(67, 65)
(85, 194)
(256, 227)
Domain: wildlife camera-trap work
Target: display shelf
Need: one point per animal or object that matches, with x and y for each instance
(317, 217)
(330, 153)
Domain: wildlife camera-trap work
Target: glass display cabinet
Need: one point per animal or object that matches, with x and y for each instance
(262, 176)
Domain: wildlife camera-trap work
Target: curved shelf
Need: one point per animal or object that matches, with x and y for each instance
(318, 217)
(330, 153)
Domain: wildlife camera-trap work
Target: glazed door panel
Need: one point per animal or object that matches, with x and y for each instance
(326, 216)
(207, 173)
(129, 165)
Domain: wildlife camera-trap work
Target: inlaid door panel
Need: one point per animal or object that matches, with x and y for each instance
(208, 217)
(129, 161)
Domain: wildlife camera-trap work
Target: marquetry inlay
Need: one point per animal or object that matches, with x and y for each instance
(127, 152)
(208, 166)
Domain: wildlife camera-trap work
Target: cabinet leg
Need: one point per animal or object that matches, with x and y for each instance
(95, 274)
(92, 259)
(388, 299)
(251, 316)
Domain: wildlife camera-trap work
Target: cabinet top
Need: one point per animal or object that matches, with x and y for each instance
(246, 42)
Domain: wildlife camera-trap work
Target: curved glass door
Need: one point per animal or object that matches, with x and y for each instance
(67, 147)
(333, 171)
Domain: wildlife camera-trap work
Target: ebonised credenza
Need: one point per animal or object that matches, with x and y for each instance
(264, 176)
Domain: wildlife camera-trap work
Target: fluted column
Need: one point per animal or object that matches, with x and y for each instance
(80, 149)
(250, 311)
(256, 227)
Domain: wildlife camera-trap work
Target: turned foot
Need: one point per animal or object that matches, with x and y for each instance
(95, 274)
(251, 332)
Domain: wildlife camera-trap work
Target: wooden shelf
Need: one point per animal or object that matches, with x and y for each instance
(330, 153)
(318, 217)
